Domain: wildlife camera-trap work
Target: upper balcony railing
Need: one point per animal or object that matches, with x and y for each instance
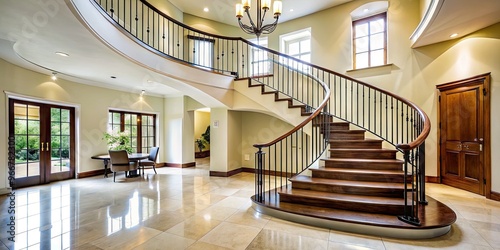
(323, 93)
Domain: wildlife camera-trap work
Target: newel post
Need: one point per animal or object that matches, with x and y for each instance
(259, 177)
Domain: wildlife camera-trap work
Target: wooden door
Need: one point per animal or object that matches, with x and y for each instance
(44, 142)
(462, 134)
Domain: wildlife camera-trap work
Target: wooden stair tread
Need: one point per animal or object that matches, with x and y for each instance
(355, 141)
(360, 171)
(364, 149)
(351, 131)
(367, 184)
(344, 197)
(434, 215)
(389, 161)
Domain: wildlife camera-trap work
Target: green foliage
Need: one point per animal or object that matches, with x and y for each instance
(118, 141)
(206, 135)
(200, 143)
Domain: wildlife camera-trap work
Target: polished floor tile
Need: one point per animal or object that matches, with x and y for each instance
(188, 209)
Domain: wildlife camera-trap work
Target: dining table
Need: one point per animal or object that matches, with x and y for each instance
(132, 157)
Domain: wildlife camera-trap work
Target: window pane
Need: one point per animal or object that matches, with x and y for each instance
(55, 114)
(377, 41)
(377, 26)
(293, 48)
(305, 46)
(362, 60)
(361, 44)
(306, 57)
(127, 119)
(65, 115)
(116, 117)
(377, 57)
(361, 30)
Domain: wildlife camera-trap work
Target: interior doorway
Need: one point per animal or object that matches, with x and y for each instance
(464, 134)
(44, 142)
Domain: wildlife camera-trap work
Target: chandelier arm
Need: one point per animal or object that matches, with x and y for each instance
(263, 16)
(250, 18)
(269, 28)
(247, 29)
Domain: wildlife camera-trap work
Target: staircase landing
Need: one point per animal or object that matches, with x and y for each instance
(436, 218)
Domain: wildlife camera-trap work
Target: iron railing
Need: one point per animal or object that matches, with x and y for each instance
(320, 92)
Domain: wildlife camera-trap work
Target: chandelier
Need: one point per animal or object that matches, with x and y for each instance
(262, 8)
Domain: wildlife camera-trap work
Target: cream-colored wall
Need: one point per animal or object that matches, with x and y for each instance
(168, 8)
(92, 110)
(179, 131)
(258, 128)
(213, 27)
(234, 131)
(201, 122)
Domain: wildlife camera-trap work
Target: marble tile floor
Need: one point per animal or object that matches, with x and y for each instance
(187, 209)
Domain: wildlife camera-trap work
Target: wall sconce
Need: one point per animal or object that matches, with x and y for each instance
(54, 76)
(141, 96)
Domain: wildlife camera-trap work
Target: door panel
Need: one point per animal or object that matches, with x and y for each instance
(469, 112)
(461, 126)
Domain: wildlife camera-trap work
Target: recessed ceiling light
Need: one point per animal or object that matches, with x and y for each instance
(205, 9)
(62, 54)
(291, 10)
(365, 10)
(453, 35)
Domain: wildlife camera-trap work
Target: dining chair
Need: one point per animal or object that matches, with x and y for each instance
(120, 162)
(151, 161)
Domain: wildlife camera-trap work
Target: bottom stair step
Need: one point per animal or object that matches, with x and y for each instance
(372, 204)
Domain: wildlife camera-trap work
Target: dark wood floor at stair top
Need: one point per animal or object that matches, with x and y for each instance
(434, 215)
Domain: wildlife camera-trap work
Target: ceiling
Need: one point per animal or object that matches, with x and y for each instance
(32, 31)
(224, 10)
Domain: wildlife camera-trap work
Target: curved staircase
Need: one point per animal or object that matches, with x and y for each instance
(360, 186)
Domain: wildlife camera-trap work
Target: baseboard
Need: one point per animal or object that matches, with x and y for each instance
(226, 174)
(432, 179)
(180, 165)
(91, 173)
(495, 196)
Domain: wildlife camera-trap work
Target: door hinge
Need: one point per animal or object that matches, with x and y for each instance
(439, 98)
(484, 181)
(484, 91)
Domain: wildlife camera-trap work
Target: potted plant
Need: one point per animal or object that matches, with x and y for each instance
(118, 141)
(200, 143)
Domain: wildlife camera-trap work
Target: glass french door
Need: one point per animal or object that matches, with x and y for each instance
(44, 142)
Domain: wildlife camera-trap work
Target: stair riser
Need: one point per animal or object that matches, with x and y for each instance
(356, 144)
(364, 165)
(350, 189)
(360, 177)
(362, 154)
(345, 205)
(340, 135)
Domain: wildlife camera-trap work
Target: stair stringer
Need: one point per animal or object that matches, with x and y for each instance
(245, 96)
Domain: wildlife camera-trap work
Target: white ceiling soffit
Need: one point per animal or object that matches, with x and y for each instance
(224, 10)
(446, 17)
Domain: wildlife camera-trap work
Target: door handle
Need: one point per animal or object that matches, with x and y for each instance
(47, 146)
